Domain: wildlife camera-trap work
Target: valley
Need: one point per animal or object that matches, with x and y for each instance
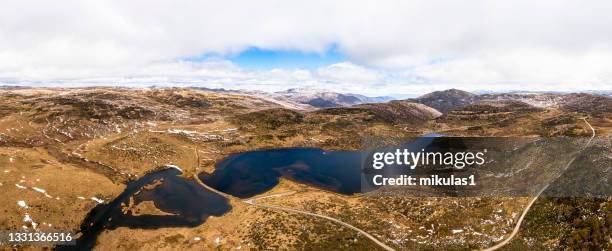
(66, 151)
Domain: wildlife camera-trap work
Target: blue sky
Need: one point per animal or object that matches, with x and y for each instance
(254, 58)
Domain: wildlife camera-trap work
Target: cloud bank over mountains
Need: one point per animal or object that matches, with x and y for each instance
(390, 46)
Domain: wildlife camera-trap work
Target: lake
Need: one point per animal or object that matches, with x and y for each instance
(251, 173)
(187, 203)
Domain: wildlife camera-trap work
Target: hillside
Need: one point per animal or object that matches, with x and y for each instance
(588, 103)
(445, 101)
(454, 99)
(401, 111)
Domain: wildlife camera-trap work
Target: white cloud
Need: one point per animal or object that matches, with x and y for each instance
(406, 46)
(349, 73)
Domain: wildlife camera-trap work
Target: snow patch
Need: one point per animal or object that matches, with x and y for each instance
(40, 190)
(99, 201)
(456, 231)
(27, 218)
(22, 204)
(175, 167)
(20, 186)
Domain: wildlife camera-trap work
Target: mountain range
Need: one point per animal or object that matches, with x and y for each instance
(443, 101)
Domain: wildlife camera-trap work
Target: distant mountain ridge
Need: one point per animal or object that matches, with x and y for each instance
(454, 99)
(327, 99)
(591, 102)
(308, 99)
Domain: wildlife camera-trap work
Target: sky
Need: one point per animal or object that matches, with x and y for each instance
(368, 47)
(264, 59)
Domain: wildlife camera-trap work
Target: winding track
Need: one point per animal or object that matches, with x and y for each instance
(520, 221)
(291, 210)
(364, 233)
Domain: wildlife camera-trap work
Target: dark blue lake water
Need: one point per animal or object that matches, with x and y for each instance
(251, 173)
(188, 202)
